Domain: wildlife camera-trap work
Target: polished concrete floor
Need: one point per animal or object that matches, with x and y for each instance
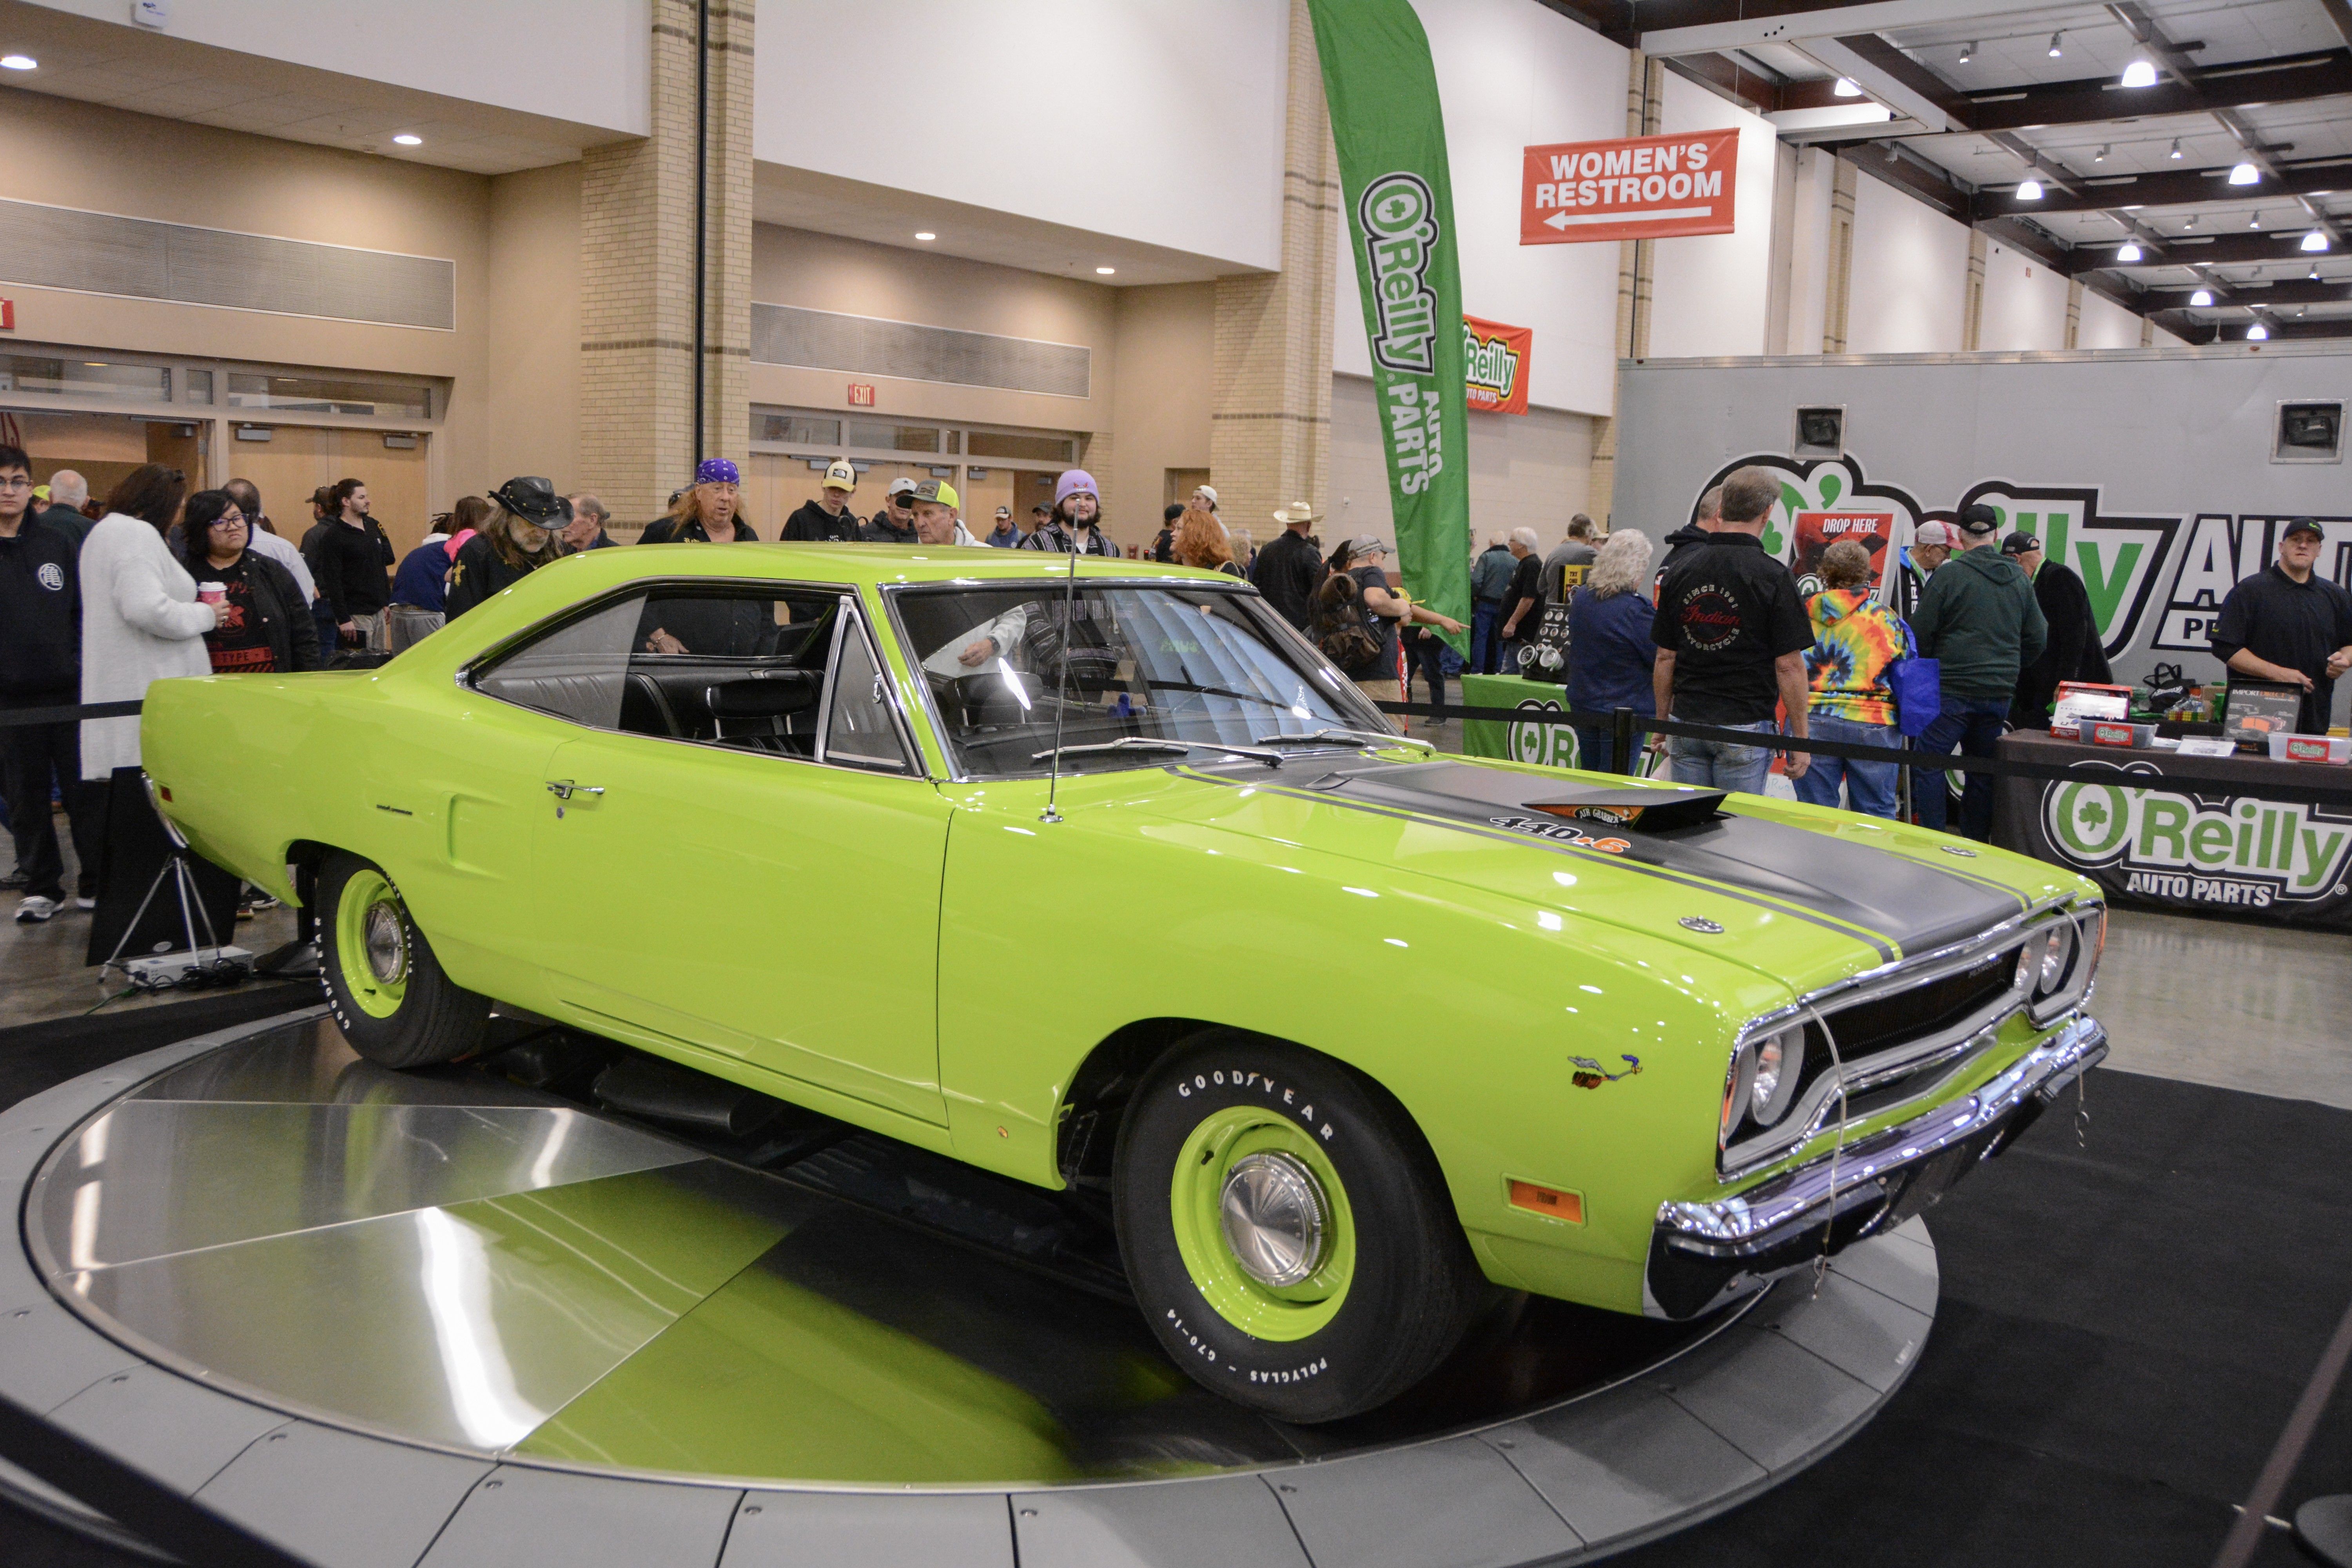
(44, 971)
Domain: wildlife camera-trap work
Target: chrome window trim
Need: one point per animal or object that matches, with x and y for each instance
(1810, 1115)
(1269, 624)
(852, 623)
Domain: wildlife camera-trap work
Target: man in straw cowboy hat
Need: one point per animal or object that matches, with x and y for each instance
(1289, 570)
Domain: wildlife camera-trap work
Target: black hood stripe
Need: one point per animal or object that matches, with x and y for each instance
(1862, 934)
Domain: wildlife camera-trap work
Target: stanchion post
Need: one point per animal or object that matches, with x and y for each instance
(1625, 728)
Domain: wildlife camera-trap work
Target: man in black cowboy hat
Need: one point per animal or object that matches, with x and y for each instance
(524, 534)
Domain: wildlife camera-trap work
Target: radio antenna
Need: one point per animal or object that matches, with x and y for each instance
(1062, 684)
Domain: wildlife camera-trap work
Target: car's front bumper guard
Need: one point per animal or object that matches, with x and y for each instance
(1704, 1254)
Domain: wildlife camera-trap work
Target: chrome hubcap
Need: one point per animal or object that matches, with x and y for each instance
(387, 953)
(1275, 1218)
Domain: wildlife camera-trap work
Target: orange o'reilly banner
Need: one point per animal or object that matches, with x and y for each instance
(1494, 365)
(1641, 187)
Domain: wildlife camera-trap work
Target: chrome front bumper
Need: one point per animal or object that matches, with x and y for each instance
(1703, 1254)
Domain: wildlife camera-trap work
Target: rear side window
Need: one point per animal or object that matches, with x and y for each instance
(786, 672)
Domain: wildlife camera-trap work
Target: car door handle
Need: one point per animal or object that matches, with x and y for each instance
(565, 789)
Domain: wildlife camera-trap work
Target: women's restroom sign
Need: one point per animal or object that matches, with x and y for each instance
(1641, 187)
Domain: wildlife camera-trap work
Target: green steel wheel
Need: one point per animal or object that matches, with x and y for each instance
(1286, 1230)
(383, 983)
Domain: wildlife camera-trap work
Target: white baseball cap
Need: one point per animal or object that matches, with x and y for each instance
(1935, 533)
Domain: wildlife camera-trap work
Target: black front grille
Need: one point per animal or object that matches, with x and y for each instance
(1885, 1023)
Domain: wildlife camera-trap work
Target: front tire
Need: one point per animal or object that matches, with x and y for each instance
(387, 990)
(1286, 1231)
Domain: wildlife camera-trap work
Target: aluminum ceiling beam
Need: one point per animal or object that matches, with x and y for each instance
(1829, 22)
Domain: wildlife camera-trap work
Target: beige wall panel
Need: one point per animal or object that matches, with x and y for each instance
(103, 160)
(533, 410)
(822, 272)
(1532, 471)
(298, 458)
(100, 448)
(1160, 407)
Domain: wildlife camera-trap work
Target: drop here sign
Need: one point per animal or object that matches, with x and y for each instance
(1641, 187)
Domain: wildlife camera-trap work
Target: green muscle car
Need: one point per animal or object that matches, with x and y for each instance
(1100, 877)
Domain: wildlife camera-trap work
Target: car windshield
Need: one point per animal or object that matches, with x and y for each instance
(1160, 669)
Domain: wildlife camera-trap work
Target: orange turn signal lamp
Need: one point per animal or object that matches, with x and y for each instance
(1549, 1201)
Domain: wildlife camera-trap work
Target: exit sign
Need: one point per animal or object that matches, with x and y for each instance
(7, 315)
(860, 395)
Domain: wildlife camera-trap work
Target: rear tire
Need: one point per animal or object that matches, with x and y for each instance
(387, 990)
(1288, 1233)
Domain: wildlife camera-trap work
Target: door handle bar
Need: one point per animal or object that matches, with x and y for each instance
(565, 789)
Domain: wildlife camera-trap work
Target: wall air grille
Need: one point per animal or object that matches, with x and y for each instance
(868, 345)
(99, 253)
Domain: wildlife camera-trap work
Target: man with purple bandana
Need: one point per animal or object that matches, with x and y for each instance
(1077, 523)
(705, 510)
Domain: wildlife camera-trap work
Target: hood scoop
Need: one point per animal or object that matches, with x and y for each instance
(1634, 810)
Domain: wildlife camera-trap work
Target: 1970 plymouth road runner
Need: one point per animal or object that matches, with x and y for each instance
(1342, 1030)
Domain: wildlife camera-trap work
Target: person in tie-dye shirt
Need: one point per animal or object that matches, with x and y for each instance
(1854, 642)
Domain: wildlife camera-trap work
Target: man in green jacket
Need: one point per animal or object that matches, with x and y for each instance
(1978, 619)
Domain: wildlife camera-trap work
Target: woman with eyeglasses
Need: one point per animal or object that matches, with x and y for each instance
(265, 627)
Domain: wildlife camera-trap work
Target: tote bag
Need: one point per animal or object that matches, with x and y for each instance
(1918, 687)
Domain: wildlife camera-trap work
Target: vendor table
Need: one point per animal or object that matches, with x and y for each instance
(2201, 843)
(1554, 746)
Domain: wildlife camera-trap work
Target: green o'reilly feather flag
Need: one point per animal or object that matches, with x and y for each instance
(1390, 137)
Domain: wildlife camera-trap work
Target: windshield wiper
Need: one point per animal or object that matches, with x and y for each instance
(1364, 740)
(1168, 748)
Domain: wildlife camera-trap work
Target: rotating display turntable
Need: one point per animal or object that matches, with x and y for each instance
(389, 1318)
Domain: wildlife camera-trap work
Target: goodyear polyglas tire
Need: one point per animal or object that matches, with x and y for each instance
(1286, 1230)
(384, 986)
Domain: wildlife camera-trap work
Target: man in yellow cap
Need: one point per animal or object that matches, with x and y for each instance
(934, 503)
(828, 516)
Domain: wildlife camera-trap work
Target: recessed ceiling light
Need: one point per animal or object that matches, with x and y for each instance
(2139, 73)
(2202, 298)
(1845, 88)
(2315, 240)
(2244, 174)
(19, 62)
(2128, 250)
(2056, 48)
(2028, 190)
(1105, 271)
(925, 234)
(2175, 153)
(406, 140)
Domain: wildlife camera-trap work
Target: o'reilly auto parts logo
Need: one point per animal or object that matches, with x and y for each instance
(2247, 854)
(1399, 219)
(1490, 372)
(1550, 745)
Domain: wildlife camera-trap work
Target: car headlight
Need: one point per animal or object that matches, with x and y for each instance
(1737, 1085)
(2027, 966)
(1780, 1066)
(2055, 953)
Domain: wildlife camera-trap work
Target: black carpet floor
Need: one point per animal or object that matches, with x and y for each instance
(2124, 1329)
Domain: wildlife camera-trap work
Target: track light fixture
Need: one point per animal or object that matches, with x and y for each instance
(2312, 276)
(2056, 48)
(2255, 221)
(1968, 53)
(2139, 73)
(2101, 156)
(2175, 154)
(2189, 222)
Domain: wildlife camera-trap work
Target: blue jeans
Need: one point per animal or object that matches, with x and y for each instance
(1869, 785)
(1975, 725)
(1485, 635)
(1597, 749)
(1724, 764)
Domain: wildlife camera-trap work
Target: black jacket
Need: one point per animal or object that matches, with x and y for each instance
(1288, 571)
(2073, 651)
(40, 619)
(1056, 538)
(352, 567)
(880, 530)
(66, 520)
(479, 572)
(812, 524)
(286, 618)
(1677, 541)
(662, 532)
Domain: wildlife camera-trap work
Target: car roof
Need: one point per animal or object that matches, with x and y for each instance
(864, 565)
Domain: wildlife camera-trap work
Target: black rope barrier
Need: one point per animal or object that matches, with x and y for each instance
(2145, 775)
(15, 717)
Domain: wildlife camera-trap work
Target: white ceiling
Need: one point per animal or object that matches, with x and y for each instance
(151, 73)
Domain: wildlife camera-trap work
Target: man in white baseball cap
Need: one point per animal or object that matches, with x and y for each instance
(1931, 545)
(828, 517)
(894, 523)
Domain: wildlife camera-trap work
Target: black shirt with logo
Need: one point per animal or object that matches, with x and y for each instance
(1726, 611)
(2298, 625)
(240, 644)
(40, 619)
